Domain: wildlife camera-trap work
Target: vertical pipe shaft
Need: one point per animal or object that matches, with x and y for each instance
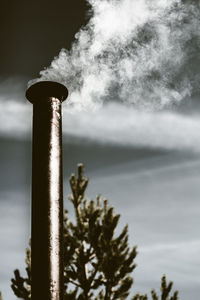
(47, 194)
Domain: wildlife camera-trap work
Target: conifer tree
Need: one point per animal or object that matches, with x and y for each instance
(97, 263)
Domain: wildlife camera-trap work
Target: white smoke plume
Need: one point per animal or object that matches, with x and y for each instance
(141, 52)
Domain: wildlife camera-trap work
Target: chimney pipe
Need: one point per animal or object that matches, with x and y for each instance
(47, 191)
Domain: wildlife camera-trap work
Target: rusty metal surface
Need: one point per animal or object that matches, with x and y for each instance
(47, 192)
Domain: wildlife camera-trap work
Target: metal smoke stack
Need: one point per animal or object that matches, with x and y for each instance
(47, 190)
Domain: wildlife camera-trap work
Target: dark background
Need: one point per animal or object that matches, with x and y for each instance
(33, 32)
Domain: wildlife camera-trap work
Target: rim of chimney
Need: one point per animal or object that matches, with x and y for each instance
(45, 90)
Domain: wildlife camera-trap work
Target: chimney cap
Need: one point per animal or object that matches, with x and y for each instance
(46, 89)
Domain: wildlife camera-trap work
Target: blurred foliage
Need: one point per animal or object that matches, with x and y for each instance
(165, 292)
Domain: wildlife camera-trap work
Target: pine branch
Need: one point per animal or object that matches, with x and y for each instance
(140, 297)
(154, 295)
(19, 286)
(97, 263)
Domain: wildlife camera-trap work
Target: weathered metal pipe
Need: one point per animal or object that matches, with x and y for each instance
(47, 193)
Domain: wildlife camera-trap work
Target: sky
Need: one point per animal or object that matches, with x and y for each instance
(132, 117)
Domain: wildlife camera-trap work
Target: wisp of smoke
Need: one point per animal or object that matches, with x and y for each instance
(140, 52)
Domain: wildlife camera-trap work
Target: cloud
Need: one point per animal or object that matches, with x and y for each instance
(15, 118)
(137, 52)
(15, 111)
(114, 123)
(121, 125)
(177, 260)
